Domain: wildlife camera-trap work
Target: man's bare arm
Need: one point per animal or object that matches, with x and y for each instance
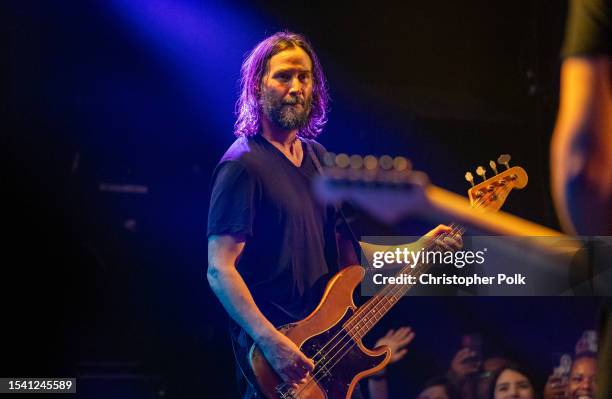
(581, 148)
(284, 356)
(230, 288)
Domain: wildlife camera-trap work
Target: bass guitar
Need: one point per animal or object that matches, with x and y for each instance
(332, 334)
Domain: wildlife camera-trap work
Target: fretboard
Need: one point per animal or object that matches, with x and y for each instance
(370, 313)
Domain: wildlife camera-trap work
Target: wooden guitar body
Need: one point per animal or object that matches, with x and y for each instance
(336, 374)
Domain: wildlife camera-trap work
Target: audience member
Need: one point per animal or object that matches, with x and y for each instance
(489, 368)
(511, 382)
(583, 377)
(438, 388)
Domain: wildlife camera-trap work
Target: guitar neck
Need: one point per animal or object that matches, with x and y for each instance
(446, 204)
(371, 312)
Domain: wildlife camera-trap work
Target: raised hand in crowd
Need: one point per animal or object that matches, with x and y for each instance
(465, 363)
(555, 388)
(396, 340)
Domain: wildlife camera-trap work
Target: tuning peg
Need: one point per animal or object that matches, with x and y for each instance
(493, 166)
(504, 159)
(356, 161)
(370, 162)
(401, 164)
(385, 162)
(480, 171)
(342, 160)
(329, 159)
(469, 177)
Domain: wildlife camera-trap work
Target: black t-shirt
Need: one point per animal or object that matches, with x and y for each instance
(290, 247)
(589, 28)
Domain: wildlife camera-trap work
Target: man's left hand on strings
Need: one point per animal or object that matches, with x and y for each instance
(446, 237)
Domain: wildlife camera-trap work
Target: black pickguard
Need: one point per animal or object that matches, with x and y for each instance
(335, 372)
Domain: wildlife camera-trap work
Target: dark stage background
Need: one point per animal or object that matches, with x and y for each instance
(117, 112)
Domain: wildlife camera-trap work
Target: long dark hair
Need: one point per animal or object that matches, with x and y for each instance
(248, 110)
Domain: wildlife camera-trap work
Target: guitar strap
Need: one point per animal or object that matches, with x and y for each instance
(317, 163)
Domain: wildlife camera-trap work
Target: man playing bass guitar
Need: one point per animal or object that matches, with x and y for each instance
(270, 243)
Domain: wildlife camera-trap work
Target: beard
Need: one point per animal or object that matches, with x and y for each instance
(285, 114)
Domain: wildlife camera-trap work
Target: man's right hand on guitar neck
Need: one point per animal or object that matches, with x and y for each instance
(286, 358)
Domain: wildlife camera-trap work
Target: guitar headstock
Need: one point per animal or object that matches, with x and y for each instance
(492, 192)
(389, 189)
(385, 170)
(386, 187)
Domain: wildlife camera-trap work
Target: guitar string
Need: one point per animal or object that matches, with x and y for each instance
(380, 295)
(397, 290)
(347, 333)
(366, 307)
(384, 293)
(344, 342)
(341, 341)
(352, 334)
(355, 326)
